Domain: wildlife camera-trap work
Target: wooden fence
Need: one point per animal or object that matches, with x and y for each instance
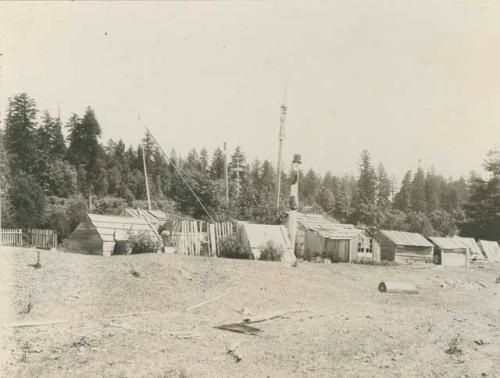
(191, 237)
(41, 238)
(30, 237)
(188, 237)
(216, 232)
(11, 237)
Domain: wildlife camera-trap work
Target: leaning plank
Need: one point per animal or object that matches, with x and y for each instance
(213, 299)
(397, 287)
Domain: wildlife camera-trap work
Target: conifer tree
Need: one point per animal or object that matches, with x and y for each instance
(367, 182)
(20, 133)
(402, 200)
(418, 195)
(84, 150)
(384, 188)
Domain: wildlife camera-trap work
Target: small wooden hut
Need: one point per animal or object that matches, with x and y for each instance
(318, 236)
(449, 251)
(405, 247)
(107, 234)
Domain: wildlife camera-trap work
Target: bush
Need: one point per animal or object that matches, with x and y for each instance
(271, 251)
(366, 261)
(231, 247)
(143, 243)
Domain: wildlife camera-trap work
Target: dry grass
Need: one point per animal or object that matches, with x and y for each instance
(115, 325)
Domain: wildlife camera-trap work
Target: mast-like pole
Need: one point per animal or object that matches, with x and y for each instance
(281, 138)
(146, 176)
(294, 199)
(226, 178)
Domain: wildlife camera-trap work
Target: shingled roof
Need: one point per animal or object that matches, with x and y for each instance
(447, 243)
(409, 239)
(326, 228)
(111, 227)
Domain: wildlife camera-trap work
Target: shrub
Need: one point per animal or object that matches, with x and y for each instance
(143, 243)
(366, 261)
(232, 247)
(270, 251)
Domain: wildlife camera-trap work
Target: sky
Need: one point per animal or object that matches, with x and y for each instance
(408, 80)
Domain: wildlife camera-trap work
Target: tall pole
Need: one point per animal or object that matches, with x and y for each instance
(0, 202)
(281, 138)
(226, 178)
(146, 176)
(294, 199)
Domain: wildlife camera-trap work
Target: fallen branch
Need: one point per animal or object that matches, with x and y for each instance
(207, 301)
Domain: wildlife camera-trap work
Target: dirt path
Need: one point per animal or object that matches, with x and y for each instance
(338, 323)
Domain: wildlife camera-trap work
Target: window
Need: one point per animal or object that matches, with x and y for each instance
(365, 245)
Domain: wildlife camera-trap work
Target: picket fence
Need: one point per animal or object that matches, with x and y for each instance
(30, 237)
(46, 239)
(11, 237)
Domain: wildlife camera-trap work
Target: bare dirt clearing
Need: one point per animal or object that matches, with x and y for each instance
(111, 323)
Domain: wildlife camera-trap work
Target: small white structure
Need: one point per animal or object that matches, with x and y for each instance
(255, 236)
(490, 249)
(475, 253)
(449, 251)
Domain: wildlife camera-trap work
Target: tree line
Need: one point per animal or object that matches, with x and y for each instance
(50, 181)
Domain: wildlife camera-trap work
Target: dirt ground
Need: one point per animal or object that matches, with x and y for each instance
(109, 323)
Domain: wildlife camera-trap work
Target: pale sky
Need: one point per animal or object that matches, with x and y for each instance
(407, 80)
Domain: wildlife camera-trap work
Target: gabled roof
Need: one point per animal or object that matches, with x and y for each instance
(447, 243)
(326, 228)
(112, 227)
(409, 239)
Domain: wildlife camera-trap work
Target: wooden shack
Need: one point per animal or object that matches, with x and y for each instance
(106, 234)
(449, 251)
(405, 247)
(318, 236)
